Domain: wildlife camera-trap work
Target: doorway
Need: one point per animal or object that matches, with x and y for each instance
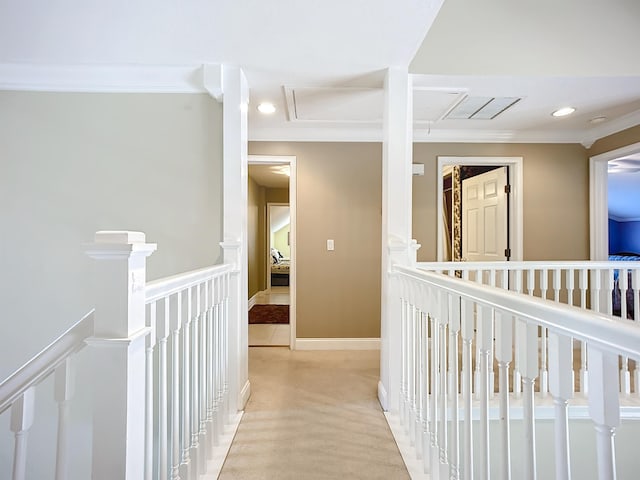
(598, 199)
(514, 215)
(272, 247)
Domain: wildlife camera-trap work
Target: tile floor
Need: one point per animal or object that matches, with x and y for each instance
(271, 335)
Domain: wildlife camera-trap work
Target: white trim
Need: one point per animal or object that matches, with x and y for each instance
(598, 199)
(342, 132)
(254, 299)
(414, 465)
(221, 448)
(610, 127)
(383, 398)
(338, 343)
(292, 161)
(102, 78)
(245, 393)
(516, 205)
(625, 219)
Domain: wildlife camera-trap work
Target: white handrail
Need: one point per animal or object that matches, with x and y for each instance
(164, 287)
(44, 363)
(618, 336)
(527, 264)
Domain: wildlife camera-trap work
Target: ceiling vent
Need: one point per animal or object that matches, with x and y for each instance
(481, 108)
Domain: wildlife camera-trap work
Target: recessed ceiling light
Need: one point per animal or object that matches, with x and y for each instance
(598, 120)
(266, 107)
(563, 112)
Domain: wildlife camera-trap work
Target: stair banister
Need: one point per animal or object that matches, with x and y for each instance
(119, 353)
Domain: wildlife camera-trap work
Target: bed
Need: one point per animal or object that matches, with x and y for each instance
(279, 269)
(617, 294)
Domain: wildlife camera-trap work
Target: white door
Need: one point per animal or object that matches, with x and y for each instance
(484, 217)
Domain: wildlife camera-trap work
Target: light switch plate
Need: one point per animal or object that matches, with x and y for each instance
(330, 245)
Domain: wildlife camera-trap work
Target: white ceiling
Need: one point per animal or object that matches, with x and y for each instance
(322, 63)
(624, 188)
(331, 57)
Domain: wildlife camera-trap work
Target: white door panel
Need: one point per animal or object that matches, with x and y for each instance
(484, 217)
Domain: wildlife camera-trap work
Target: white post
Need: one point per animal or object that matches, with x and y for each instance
(396, 223)
(64, 386)
(119, 352)
(229, 84)
(22, 412)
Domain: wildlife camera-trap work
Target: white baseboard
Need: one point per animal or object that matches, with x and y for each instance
(254, 299)
(414, 465)
(382, 396)
(245, 393)
(337, 344)
(221, 450)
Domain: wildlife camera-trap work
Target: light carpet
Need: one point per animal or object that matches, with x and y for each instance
(313, 415)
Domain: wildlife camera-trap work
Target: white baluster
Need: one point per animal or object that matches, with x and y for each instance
(454, 329)
(528, 364)
(225, 350)
(203, 384)
(185, 469)
(162, 334)
(411, 376)
(442, 378)
(570, 283)
(556, 284)
(435, 390)
(404, 359)
(210, 369)
(467, 328)
(195, 383)
(64, 387)
(22, 413)
(625, 375)
(584, 373)
(218, 422)
(485, 339)
(504, 352)
(544, 373)
(517, 378)
(561, 388)
(150, 343)
(424, 358)
(604, 408)
(175, 320)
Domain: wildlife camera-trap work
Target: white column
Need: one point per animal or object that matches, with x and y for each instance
(119, 354)
(396, 223)
(229, 85)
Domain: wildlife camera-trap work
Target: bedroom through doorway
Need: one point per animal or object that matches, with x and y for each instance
(271, 250)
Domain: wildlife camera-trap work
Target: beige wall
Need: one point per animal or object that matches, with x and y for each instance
(74, 163)
(556, 197)
(339, 197)
(615, 141)
(280, 241)
(277, 195)
(255, 236)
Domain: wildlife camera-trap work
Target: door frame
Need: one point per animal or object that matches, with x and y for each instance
(599, 199)
(515, 206)
(291, 160)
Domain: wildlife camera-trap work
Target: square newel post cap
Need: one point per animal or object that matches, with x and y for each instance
(117, 243)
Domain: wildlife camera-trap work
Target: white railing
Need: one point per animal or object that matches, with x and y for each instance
(605, 287)
(159, 367)
(444, 318)
(18, 392)
(188, 356)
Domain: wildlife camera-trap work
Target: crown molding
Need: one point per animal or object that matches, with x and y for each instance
(289, 133)
(624, 219)
(103, 78)
(609, 128)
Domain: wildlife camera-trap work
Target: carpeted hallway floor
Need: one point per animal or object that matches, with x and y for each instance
(313, 415)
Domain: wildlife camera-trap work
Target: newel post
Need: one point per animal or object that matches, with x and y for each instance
(119, 353)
